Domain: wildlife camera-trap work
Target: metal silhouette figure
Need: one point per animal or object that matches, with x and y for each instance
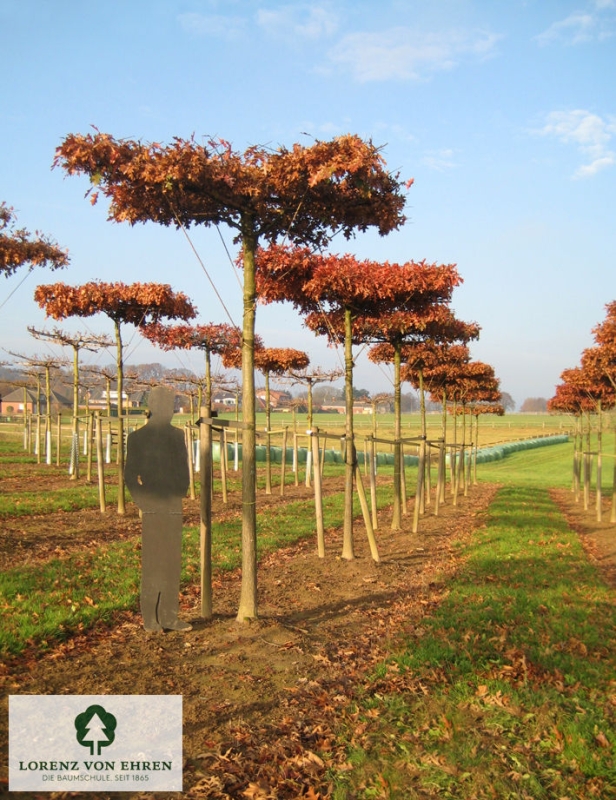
(156, 474)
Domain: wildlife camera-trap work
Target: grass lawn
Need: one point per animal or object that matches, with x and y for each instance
(509, 689)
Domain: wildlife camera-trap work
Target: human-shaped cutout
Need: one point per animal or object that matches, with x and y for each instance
(156, 474)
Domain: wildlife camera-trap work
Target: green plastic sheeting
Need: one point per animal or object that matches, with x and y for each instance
(500, 451)
(334, 456)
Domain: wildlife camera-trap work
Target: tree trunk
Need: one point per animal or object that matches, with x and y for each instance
(26, 429)
(347, 541)
(268, 444)
(205, 508)
(48, 415)
(208, 386)
(283, 459)
(75, 430)
(444, 455)
(422, 403)
(248, 595)
(120, 387)
(397, 510)
(453, 459)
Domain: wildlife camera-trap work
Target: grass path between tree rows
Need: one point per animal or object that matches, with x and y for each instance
(509, 689)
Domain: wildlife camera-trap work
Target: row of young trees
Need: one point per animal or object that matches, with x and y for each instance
(284, 206)
(586, 392)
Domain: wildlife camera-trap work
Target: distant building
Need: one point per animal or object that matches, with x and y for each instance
(279, 400)
(13, 402)
(97, 399)
(223, 400)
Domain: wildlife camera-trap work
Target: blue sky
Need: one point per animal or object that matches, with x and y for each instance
(504, 113)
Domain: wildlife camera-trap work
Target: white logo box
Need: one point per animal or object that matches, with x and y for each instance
(90, 743)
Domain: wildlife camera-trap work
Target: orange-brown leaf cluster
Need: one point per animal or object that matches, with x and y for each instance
(389, 302)
(303, 193)
(593, 383)
(214, 338)
(18, 248)
(135, 303)
(270, 360)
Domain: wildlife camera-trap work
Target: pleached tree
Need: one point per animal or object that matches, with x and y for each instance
(135, 304)
(415, 338)
(302, 194)
(77, 342)
(19, 248)
(212, 339)
(270, 361)
(353, 302)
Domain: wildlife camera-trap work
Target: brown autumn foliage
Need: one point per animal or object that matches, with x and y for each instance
(135, 303)
(386, 300)
(19, 248)
(213, 338)
(305, 191)
(269, 360)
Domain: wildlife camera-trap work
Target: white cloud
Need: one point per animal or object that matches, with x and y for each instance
(307, 22)
(439, 160)
(589, 132)
(407, 54)
(217, 25)
(582, 26)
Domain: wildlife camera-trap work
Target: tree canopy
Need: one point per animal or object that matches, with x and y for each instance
(19, 248)
(134, 303)
(302, 192)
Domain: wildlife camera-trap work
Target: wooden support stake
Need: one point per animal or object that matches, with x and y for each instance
(59, 440)
(90, 434)
(420, 487)
(223, 465)
(318, 494)
(283, 460)
(100, 466)
(375, 521)
(403, 497)
(205, 503)
(366, 514)
(440, 478)
(191, 466)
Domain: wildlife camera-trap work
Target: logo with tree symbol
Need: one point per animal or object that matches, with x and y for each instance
(95, 728)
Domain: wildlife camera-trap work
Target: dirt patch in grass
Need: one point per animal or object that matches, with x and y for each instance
(597, 538)
(34, 538)
(260, 698)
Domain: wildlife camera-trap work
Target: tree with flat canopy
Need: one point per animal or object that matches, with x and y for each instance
(440, 366)
(467, 381)
(77, 342)
(353, 302)
(310, 378)
(212, 338)
(602, 360)
(18, 248)
(412, 336)
(269, 361)
(302, 194)
(133, 303)
(37, 366)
